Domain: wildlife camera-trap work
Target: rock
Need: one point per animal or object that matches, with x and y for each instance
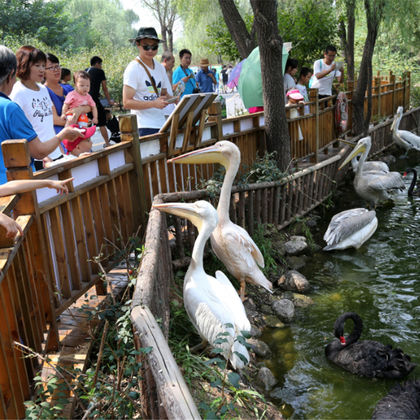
(284, 309)
(255, 332)
(260, 348)
(294, 281)
(266, 378)
(273, 322)
(250, 304)
(313, 221)
(266, 309)
(277, 393)
(302, 301)
(296, 245)
(296, 263)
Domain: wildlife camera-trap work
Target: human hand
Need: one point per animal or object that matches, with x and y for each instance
(70, 133)
(333, 65)
(94, 121)
(11, 226)
(60, 186)
(160, 102)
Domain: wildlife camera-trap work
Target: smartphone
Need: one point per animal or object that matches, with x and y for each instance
(172, 100)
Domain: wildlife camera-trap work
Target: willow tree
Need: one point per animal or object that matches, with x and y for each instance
(271, 46)
(165, 12)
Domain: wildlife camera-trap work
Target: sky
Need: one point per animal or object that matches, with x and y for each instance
(146, 17)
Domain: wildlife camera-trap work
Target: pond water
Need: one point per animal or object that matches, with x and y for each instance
(380, 282)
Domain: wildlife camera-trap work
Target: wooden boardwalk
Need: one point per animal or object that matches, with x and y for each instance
(77, 329)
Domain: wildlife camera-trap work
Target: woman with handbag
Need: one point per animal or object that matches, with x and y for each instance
(185, 74)
(145, 84)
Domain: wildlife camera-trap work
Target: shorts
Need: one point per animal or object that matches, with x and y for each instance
(101, 113)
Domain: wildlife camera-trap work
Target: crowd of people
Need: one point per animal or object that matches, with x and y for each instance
(55, 117)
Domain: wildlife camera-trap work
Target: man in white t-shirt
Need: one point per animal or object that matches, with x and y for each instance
(325, 70)
(145, 84)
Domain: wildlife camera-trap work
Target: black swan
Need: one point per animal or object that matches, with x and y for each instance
(402, 402)
(366, 358)
(414, 187)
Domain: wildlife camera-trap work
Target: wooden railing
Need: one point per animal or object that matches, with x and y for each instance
(54, 262)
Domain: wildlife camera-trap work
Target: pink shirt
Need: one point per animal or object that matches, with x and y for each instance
(75, 99)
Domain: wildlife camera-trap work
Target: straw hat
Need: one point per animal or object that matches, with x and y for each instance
(204, 62)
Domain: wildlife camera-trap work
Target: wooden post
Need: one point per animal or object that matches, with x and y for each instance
(215, 115)
(405, 90)
(313, 99)
(408, 89)
(128, 125)
(350, 90)
(313, 95)
(377, 84)
(392, 79)
(17, 162)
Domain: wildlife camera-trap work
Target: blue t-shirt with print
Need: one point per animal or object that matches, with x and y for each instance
(13, 125)
(178, 74)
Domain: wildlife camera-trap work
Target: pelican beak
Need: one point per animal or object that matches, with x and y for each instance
(185, 210)
(211, 154)
(347, 142)
(357, 150)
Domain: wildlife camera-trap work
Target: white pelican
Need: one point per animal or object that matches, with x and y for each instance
(350, 228)
(212, 303)
(370, 166)
(372, 186)
(404, 138)
(230, 242)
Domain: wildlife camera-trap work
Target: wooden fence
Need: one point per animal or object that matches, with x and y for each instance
(54, 262)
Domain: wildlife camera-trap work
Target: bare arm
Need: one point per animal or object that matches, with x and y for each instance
(323, 73)
(130, 103)
(57, 119)
(39, 149)
(106, 93)
(95, 115)
(24, 185)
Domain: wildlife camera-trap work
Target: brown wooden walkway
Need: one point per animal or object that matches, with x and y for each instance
(77, 331)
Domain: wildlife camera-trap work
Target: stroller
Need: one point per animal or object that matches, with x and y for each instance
(113, 126)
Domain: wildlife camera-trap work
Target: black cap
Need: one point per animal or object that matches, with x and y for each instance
(149, 33)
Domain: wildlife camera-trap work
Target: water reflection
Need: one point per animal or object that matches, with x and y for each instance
(380, 282)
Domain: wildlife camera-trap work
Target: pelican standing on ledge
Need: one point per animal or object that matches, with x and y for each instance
(212, 303)
(350, 228)
(403, 138)
(230, 242)
(372, 186)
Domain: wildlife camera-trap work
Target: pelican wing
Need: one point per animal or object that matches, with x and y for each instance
(376, 181)
(411, 139)
(347, 223)
(235, 304)
(241, 246)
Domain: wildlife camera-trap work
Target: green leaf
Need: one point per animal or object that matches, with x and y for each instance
(234, 379)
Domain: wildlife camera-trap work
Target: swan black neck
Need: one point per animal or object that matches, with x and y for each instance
(357, 329)
(413, 181)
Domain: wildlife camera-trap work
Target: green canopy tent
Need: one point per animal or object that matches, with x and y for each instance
(250, 83)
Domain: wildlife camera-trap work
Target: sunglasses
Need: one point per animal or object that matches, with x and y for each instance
(150, 47)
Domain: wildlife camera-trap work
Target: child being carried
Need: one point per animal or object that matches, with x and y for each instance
(79, 97)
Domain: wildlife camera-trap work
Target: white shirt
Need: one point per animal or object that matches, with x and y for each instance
(324, 85)
(136, 77)
(37, 106)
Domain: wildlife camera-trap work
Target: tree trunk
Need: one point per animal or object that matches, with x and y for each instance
(237, 28)
(347, 37)
(373, 18)
(271, 46)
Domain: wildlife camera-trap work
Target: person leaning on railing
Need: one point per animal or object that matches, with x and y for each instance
(13, 122)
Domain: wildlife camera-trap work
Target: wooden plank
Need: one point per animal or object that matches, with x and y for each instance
(60, 254)
(89, 230)
(170, 384)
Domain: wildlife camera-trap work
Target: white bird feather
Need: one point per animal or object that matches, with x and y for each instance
(230, 242)
(372, 186)
(211, 302)
(350, 228)
(404, 138)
